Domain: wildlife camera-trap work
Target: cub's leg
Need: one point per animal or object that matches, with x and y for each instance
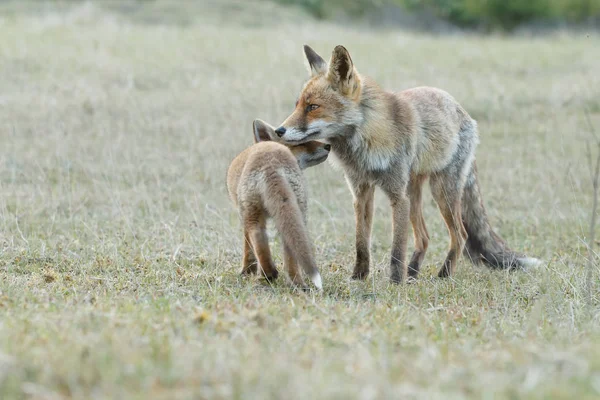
(249, 263)
(256, 224)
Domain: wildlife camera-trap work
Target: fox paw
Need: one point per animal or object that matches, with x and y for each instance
(444, 272)
(360, 274)
(249, 270)
(271, 275)
(413, 270)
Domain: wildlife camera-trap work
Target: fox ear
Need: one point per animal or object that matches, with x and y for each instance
(342, 72)
(263, 132)
(316, 64)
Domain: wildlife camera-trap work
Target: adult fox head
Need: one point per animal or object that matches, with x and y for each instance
(328, 102)
(308, 154)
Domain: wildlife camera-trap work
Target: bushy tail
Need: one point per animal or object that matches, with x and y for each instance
(281, 204)
(483, 244)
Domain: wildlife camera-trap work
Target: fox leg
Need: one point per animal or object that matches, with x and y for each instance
(400, 210)
(292, 267)
(415, 186)
(257, 232)
(447, 192)
(249, 261)
(364, 194)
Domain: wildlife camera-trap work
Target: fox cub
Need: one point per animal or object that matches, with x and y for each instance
(266, 180)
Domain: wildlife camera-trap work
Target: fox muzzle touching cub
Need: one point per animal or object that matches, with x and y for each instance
(265, 181)
(398, 141)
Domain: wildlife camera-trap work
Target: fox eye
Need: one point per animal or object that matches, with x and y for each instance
(311, 107)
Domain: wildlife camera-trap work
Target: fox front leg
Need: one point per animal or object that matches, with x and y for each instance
(364, 194)
(397, 193)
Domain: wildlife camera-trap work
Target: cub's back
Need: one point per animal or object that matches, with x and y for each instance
(259, 170)
(267, 156)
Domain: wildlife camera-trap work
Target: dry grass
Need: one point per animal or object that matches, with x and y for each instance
(119, 250)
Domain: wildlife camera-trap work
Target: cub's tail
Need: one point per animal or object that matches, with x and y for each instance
(280, 202)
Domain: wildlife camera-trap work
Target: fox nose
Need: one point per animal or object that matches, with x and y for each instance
(280, 131)
(327, 147)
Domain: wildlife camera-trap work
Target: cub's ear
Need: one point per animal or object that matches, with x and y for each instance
(316, 64)
(263, 132)
(342, 73)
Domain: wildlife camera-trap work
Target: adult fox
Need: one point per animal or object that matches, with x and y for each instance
(265, 181)
(396, 141)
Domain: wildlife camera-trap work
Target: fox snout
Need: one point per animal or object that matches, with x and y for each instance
(280, 131)
(293, 135)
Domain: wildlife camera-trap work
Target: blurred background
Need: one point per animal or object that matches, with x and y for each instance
(478, 15)
(482, 16)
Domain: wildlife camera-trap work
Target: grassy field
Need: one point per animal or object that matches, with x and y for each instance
(120, 251)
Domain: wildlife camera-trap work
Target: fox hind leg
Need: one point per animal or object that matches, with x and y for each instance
(249, 263)
(447, 192)
(257, 232)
